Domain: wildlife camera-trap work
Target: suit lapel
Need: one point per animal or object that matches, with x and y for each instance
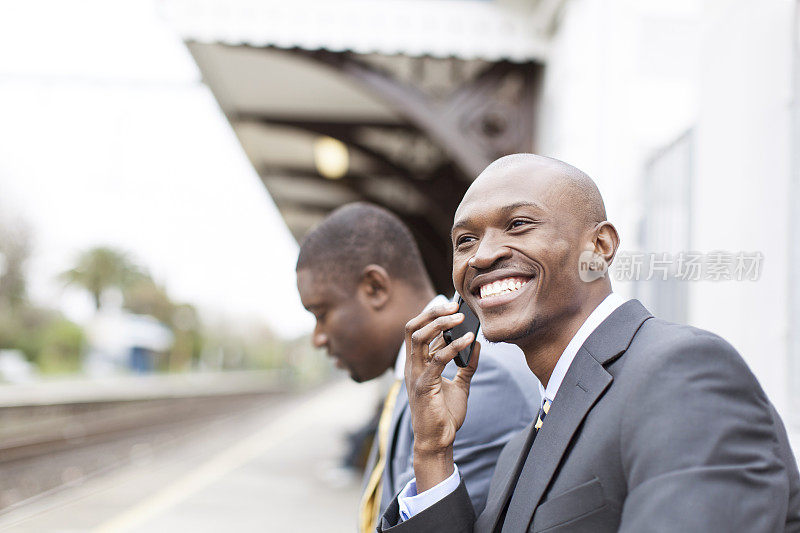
(372, 459)
(584, 383)
(505, 481)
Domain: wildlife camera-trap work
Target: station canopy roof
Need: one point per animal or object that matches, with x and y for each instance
(273, 67)
(515, 30)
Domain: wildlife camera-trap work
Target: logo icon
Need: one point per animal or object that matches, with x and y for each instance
(591, 266)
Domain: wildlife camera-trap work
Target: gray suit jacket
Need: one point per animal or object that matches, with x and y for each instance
(504, 396)
(656, 427)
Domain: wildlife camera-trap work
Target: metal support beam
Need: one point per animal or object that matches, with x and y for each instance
(413, 105)
(491, 116)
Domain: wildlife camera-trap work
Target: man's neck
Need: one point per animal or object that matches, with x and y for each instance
(543, 352)
(418, 301)
(414, 304)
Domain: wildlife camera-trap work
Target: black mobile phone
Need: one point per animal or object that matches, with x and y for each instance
(470, 323)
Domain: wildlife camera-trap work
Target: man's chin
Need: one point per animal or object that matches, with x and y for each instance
(492, 336)
(356, 377)
(499, 330)
(362, 376)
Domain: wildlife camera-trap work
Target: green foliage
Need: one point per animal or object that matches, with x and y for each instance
(145, 297)
(265, 354)
(247, 348)
(62, 344)
(10, 328)
(56, 345)
(31, 322)
(102, 268)
(51, 342)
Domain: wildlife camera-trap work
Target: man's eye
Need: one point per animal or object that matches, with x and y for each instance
(464, 240)
(516, 223)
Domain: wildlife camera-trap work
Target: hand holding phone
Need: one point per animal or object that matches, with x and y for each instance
(438, 405)
(470, 323)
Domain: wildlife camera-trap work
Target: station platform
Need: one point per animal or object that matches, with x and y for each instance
(268, 471)
(133, 387)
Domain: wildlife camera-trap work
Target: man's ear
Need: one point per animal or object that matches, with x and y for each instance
(374, 286)
(606, 241)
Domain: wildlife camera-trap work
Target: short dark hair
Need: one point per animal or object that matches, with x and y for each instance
(360, 234)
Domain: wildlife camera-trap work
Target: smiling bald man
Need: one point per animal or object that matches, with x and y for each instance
(645, 425)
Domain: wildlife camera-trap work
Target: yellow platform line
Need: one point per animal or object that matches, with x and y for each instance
(278, 431)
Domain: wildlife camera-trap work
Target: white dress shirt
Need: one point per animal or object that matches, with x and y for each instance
(411, 503)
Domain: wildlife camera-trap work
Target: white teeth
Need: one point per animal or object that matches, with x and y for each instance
(501, 287)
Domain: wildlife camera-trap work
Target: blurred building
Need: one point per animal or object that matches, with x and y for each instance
(685, 112)
(123, 341)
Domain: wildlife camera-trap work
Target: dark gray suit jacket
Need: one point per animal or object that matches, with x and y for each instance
(656, 427)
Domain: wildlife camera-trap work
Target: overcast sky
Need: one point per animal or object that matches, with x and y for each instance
(107, 137)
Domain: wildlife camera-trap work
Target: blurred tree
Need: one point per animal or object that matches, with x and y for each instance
(10, 328)
(188, 338)
(62, 344)
(102, 268)
(47, 339)
(54, 341)
(15, 248)
(144, 296)
(245, 346)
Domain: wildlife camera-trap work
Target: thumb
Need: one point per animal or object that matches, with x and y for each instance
(464, 375)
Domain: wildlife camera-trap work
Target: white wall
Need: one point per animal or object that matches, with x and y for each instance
(619, 84)
(741, 194)
(626, 77)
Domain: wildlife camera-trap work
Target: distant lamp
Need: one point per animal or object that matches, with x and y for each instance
(331, 157)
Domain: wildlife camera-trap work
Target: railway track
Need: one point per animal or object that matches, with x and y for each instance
(54, 446)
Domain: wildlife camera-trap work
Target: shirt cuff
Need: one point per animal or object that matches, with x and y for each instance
(412, 504)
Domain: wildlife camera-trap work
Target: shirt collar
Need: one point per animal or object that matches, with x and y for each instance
(400, 362)
(600, 313)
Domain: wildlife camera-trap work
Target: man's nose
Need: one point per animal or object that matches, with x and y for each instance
(319, 339)
(490, 250)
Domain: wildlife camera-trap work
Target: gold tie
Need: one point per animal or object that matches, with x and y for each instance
(543, 410)
(371, 499)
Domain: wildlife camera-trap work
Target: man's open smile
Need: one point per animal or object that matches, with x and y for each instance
(502, 286)
(499, 288)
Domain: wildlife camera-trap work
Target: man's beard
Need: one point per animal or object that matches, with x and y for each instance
(514, 337)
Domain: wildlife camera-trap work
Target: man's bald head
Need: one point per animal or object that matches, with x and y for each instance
(571, 187)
